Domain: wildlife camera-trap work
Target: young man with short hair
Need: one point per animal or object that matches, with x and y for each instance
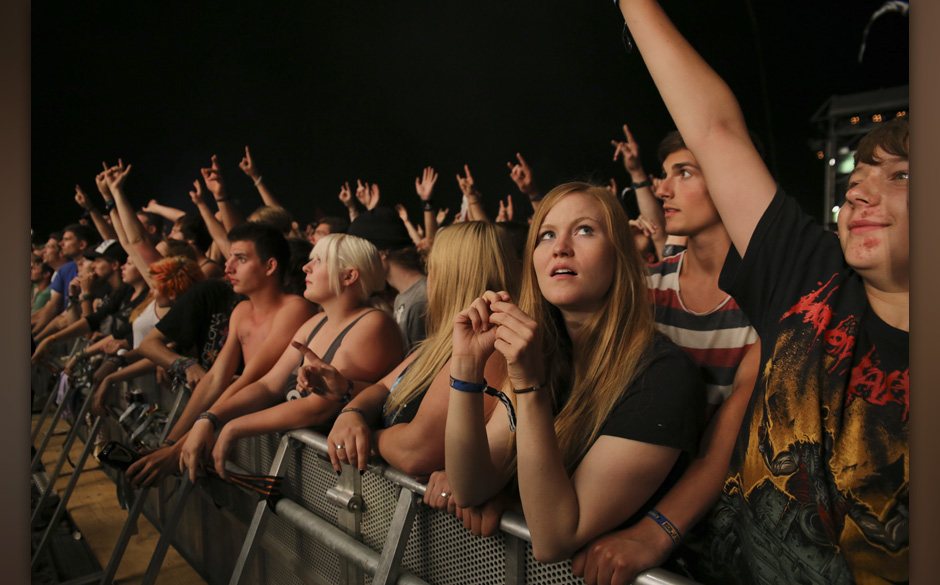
(690, 308)
(76, 238)
(258, 332)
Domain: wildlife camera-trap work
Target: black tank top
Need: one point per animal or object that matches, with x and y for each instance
(291, 392)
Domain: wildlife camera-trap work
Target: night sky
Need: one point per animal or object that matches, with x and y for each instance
(330, 91)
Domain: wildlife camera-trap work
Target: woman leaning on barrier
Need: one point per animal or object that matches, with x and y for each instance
(608, 412)
(363, 343)
(408, 408)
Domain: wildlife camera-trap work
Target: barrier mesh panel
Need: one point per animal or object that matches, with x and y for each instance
(554, 574)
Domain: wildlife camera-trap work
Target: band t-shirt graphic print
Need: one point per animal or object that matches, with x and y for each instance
(817, 491)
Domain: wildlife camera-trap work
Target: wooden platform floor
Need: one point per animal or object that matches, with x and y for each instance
(95, 511)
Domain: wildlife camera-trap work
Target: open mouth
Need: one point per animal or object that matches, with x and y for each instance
(564, 272)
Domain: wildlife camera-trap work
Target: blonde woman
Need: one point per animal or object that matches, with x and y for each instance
(408, 407)
(608, 411)
(360, 341)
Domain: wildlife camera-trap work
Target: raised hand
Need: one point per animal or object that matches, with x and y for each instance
(196, 194)
(425, 185)
(373, 197)
(519, 340)
(442, 215)
(151, 206)
(319, 377)
(116, 175)
(505, 210)
(248, 166)
(81, 198)
(521, 174)
(629, 150)
(612, 187)
(402, 212)
(101, 180)
(474, 332)
(213, 178)
(345, 195)
(466, 184)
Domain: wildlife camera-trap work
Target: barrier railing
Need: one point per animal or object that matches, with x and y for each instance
(368, 528)
(350, 529)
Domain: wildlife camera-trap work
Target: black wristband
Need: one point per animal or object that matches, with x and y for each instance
(641, 184)
(213, 420)
(109, 205)
(428, 205)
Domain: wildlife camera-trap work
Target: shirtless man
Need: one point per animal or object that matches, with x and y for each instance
(259, 330)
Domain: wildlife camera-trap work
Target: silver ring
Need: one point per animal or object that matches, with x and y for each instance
(338, 447)
(445, 495)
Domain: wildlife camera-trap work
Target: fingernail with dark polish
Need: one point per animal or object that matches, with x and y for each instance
(339, 472)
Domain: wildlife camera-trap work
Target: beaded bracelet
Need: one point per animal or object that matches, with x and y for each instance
(666, 525)
(467, 386)
(353, 409)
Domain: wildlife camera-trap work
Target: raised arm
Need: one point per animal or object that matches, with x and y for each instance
(134, 231)
(213, 179)
(616, 558)
(477, 453)
(247, 165)
(469, 190)
(521, 175)
(412, 232)
(707, 116)
(424, 186)
(169, 213)
(215, 227)
(104, 228)
(650, 208)
(346, 198)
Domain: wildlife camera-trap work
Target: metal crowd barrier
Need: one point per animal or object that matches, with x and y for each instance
(350, 529)
(354, 529)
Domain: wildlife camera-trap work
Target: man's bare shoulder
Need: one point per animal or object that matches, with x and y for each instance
(295, 307)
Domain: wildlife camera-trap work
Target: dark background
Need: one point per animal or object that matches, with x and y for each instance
(331, 91)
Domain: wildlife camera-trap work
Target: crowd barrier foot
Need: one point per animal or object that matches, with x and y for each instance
(63, 457)
(63, 501)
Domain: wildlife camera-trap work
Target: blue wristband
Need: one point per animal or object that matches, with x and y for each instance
(467, 386)
(666, 525)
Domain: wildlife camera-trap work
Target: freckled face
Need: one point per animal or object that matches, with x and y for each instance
(874, 227)
(574, 257)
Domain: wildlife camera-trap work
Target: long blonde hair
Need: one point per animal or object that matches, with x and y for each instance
(467, 259)
(615, 341)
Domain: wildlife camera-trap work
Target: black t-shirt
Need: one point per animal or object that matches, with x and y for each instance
(113, 314)
(199, 320)
(817, 490)
(665, 406)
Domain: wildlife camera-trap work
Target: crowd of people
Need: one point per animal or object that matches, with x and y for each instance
(718, 385)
